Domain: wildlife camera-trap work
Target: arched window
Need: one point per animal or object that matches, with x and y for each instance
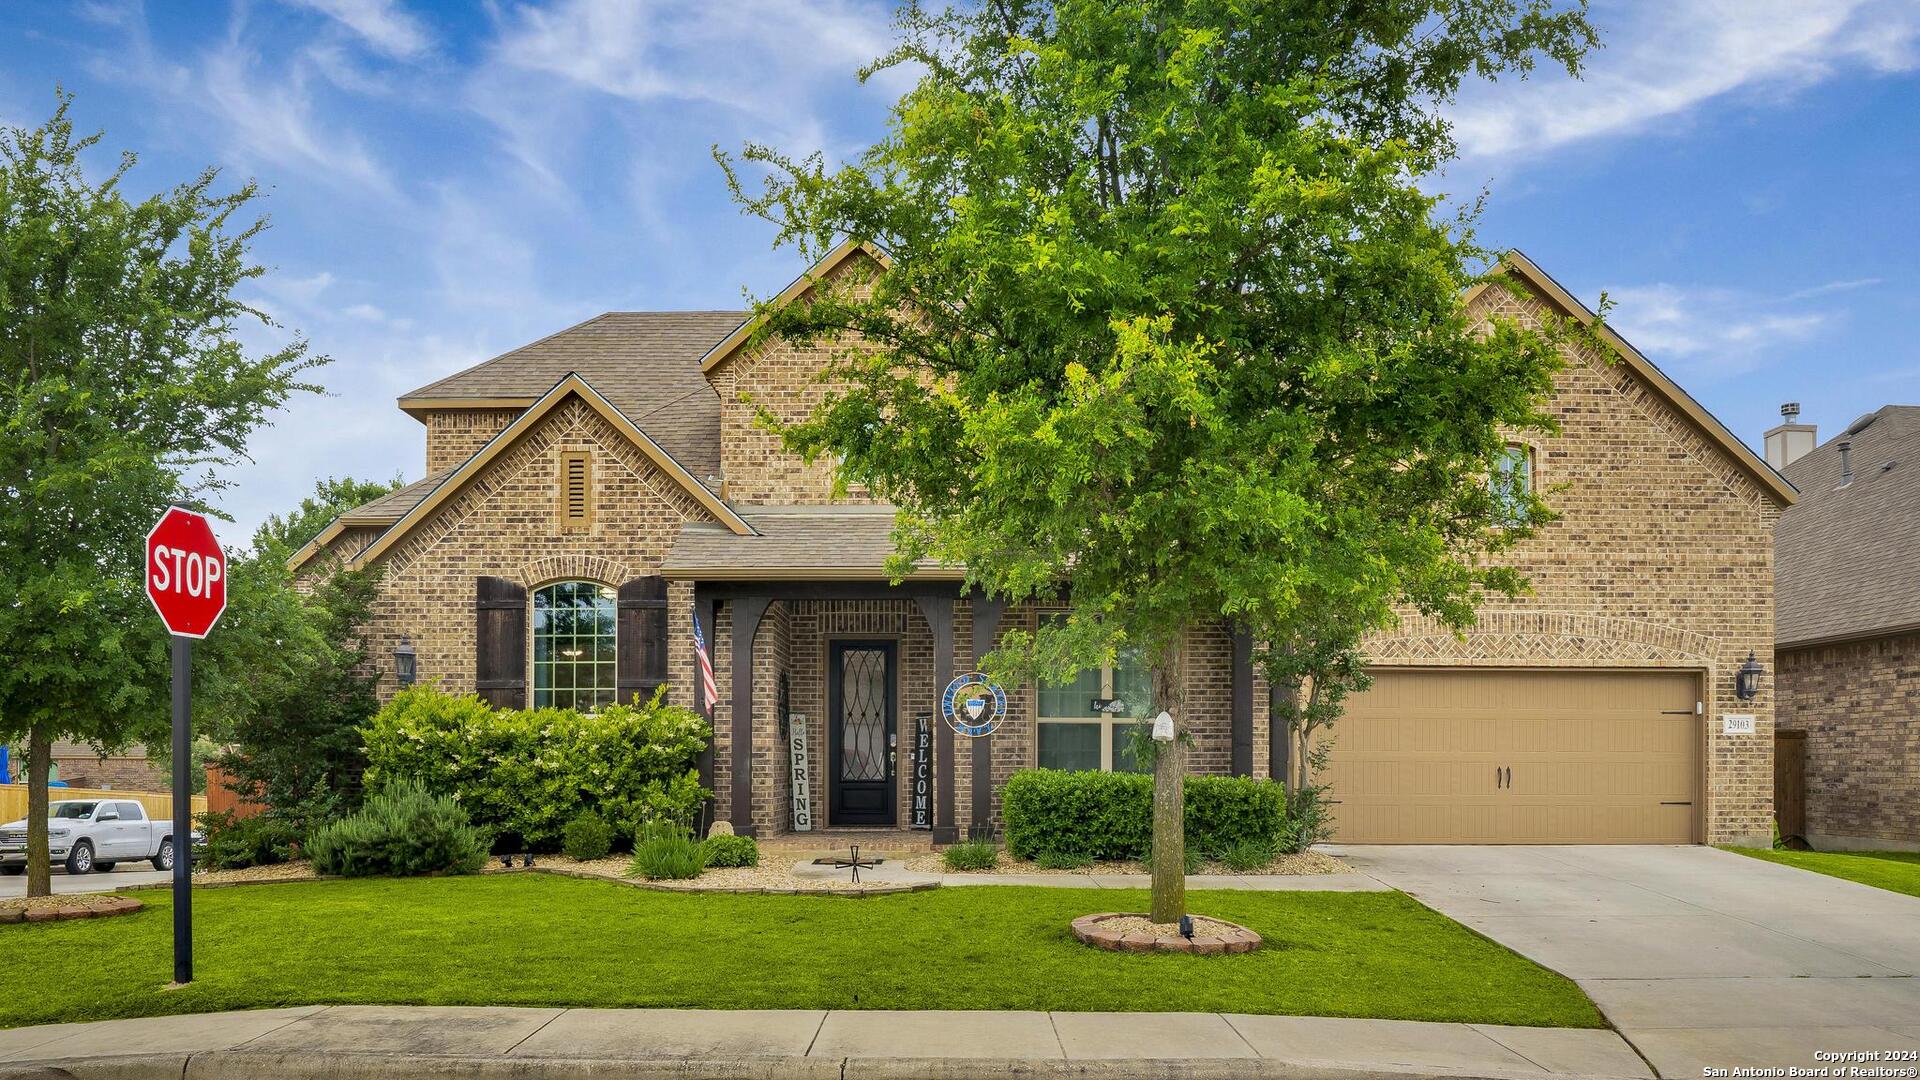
(573, 657)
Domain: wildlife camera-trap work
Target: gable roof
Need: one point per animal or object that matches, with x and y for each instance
(570, 386)
(1846, 561)
(820, 271)
(384, 510)
(641, 361)
(1518, 265)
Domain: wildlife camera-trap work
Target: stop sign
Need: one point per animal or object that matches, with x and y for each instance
(186, 573)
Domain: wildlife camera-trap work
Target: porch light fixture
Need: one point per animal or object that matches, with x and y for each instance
(405, 663)
(1746, 683)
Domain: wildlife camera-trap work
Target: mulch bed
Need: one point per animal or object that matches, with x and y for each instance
(66, 906)
(1306, 862)
(1123, 932)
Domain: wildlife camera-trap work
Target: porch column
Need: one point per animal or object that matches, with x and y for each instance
(703, 610)
(1279, 742)
(746, 611)
(986, 623)
(939, 615)
(1242, 760)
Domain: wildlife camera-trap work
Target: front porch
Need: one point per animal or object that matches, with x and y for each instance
(828, 727)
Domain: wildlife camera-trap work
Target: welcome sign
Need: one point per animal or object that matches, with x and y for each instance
(922, 800)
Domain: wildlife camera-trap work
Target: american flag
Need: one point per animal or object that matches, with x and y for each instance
(710, 693)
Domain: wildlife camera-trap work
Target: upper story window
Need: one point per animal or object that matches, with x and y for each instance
(1512, 480)
(1074, 734)
(573, 657)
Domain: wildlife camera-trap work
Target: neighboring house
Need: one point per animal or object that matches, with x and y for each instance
(78, 765)
(589, 494)
(1847, 632)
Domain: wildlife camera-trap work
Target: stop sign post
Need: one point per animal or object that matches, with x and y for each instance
(186, 577)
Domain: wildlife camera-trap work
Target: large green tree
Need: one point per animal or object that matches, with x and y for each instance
(123, 387)
(286, 683)
(1171, 315)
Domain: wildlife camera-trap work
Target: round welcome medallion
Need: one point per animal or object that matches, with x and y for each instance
(973, 706)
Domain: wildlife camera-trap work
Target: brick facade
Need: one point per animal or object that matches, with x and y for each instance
(1663, 558)
(1859, 703)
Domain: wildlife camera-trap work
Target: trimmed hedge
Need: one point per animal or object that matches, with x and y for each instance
(527, 773)
(1109, 815)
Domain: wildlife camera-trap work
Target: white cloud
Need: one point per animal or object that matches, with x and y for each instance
(1711, 332)
(382, 24)
(1663, 60)
(765, 70)
(274, 119)
(1832, 287)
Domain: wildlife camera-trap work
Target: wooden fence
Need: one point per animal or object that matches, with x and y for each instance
(13, 800)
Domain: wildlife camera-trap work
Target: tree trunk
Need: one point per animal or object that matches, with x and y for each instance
(1169, 788)
(39, 771)
(1290, 691)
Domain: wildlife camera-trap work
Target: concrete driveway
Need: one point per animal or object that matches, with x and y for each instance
(125, 875)
(1701, 958)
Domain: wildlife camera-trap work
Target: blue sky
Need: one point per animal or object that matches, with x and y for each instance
(448, 181)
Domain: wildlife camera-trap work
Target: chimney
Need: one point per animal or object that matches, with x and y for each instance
(1846, 461)
(1791, 440)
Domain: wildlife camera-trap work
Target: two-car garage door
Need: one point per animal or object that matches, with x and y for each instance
(1519, 757)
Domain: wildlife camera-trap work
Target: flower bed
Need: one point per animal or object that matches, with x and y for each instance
(67, 906)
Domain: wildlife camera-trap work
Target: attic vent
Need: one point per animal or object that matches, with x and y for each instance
(576, 489)
(1862, 424)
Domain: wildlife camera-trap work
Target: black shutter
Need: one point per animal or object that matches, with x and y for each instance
(500, 642)
(640, 640)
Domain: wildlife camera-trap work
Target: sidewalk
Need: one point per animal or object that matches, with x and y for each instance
(349, 1041)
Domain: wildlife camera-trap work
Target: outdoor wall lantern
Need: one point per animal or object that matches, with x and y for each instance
(405, 666)
(1746, 683)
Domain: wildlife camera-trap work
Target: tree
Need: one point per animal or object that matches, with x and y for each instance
(287, 680)
(123, 386)
(1167, 313)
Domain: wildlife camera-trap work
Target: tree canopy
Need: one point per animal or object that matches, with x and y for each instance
(124, 385)
(1169, 312)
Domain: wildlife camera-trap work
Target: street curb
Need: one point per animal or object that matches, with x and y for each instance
(252, 1064)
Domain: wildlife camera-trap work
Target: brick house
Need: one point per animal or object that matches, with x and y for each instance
(1847, 633)
(590, 494)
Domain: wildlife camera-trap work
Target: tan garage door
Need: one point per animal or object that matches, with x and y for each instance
(1519, 757)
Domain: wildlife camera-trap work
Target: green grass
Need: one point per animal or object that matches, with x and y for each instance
(537, 939)
(1895, 871)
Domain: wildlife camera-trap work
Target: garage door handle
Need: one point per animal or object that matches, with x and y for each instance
(1689, 802)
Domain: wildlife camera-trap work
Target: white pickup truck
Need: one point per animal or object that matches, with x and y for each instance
(92, 834)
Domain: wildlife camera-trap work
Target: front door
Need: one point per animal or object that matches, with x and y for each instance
(860, 732)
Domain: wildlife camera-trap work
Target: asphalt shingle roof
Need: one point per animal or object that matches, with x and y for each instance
(394, 505)
(802, 541)
(646, 363)
(1847, 559)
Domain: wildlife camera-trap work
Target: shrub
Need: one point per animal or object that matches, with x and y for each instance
(729, 850)
(971, 855)
(666, 850)
(528, 772)
(1061, 860)
(401, 831)
(237, 843)
(1248, 855)
(1308, 820)
(587, 837)
(1105, 815)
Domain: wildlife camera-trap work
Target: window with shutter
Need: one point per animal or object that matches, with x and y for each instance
(500, 642)
(576, 489)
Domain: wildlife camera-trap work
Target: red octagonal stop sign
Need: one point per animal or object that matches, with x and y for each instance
(186, 573)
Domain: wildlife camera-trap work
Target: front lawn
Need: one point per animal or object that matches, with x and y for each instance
(1895, 871)
(538, 939)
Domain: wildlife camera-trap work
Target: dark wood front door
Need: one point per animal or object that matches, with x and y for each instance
(861, 679)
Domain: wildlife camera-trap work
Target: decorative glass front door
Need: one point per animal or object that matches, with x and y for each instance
(860, 718)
